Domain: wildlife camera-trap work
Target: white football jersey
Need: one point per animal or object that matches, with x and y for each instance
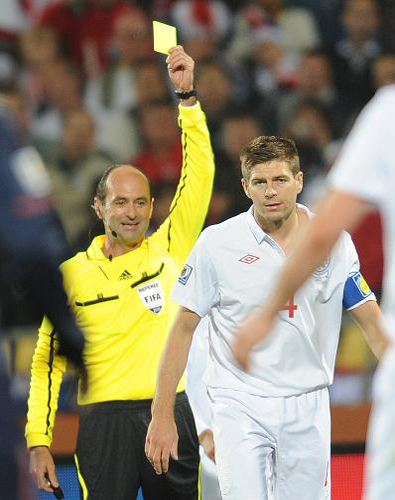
(195, 381)
(230, 272)
(366, 168)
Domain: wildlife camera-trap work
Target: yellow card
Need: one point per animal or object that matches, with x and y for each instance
(165, 37)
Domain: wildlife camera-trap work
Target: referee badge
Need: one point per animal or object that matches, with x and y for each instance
(151, 296)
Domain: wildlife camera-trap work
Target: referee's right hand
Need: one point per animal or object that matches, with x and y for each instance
(161, 443)
(42, 468)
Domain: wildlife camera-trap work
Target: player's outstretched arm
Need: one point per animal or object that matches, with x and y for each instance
(369, 318)
(162, 436)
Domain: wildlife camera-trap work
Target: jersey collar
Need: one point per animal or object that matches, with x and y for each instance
(95, 252)
(258, 233)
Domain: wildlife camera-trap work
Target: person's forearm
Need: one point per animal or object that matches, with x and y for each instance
(46, 377)
(172, 366)
(368, 317)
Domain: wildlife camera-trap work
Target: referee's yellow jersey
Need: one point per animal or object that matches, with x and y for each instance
(123, 305)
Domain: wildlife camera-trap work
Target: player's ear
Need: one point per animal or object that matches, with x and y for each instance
(97, 207)
(244, 183)
(299, 180)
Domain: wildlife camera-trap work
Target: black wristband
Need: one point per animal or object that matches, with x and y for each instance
(185, 95)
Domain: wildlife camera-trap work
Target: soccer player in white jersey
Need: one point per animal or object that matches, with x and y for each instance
(364, 174)
(271, 425)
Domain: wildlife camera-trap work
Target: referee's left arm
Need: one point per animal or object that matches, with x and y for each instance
(48, 368)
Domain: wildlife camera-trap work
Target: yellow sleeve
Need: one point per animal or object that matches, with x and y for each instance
(47, 373)
(190, 204)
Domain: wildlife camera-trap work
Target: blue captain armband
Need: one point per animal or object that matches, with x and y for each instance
(355, 291)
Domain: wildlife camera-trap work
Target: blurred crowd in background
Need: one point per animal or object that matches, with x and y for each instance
(89, 91)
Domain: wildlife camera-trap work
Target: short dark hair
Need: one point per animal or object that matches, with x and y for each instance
(101, 188)
(264, 149)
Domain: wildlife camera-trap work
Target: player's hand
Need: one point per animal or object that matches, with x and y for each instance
(255, 329)
(206, 440)
(42, 464)
(161, 443)
(180, 67)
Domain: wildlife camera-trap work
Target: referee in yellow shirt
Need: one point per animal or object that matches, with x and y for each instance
(119, 291)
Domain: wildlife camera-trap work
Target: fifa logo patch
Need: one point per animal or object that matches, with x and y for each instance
(361, 284)
(185, 274)
(151, 296)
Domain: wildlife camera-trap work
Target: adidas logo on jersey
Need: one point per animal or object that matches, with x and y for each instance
(125, 275)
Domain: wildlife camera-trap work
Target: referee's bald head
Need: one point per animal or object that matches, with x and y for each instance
(101, 188)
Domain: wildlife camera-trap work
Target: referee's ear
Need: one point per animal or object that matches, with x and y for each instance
(97, 207)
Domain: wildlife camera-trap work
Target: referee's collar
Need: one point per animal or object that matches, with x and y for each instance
(95, 251)
(259, 234)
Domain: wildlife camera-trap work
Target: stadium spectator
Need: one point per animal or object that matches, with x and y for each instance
(313, 82)
(353, 54)
(237, 128)
(39, 48)
(204, 26)
(297, 25)
(62, 94)
(113, 89)
(84, 28)
(75, 166)
(217, 93)
(161, 154)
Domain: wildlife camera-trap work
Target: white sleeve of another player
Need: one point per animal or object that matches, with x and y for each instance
(197, 286)
(363, 161)
(356, 290)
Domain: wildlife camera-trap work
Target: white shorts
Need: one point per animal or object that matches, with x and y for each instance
(209, 486)
(272, 448)
(380, 460)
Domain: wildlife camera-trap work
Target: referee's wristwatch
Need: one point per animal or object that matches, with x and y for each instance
(181, 94)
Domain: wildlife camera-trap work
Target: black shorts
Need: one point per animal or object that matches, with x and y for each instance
(110, 454)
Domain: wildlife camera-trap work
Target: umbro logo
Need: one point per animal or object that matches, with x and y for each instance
(248, 259)
(125, 275)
